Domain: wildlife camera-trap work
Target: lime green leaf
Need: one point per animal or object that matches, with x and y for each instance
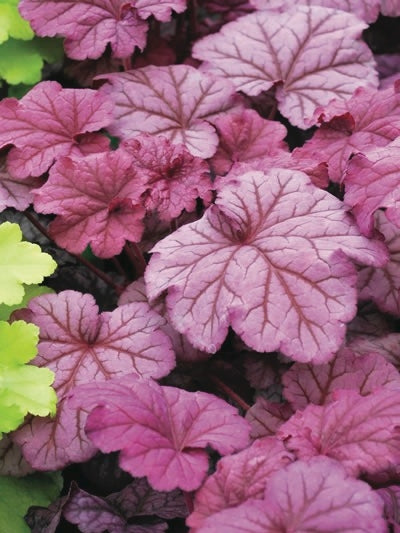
(22, 61)
(23, 388)
(30, 292)
(11, 22)
(20, 262)
(18, 494)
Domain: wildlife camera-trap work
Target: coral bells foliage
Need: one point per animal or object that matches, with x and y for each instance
(227, 172)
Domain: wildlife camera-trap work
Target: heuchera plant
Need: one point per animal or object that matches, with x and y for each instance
(219, 348)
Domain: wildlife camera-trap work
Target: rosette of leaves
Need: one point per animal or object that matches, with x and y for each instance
(22, 54)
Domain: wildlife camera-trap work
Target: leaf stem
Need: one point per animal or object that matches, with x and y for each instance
(188, 500)
(99, 273)
(230, 393)
(136, 258)
(127, 63)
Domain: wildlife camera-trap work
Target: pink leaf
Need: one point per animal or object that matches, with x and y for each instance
(390, 8)
(304, 384)
(238, 478)
(97, 199)
(266, 417)
(246, 137)
(184, 351)
(362, 432)
(305, 497)
(81, 346)
(15, 193)
(367, 10)
(382, 285)
(323, 57)
(160, 9)
(174, 177)
(161, 431)
(276, 273)
(360, 123)
(371, 182)
(47, 123)
(391, 498)
(175, 101)
(88, 25)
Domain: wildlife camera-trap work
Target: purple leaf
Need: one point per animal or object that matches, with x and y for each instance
(276, 273)
(81, 346)
(371, 182)
(88, 25)
(175, 101)
(238, 478)
(50, 122)
(174, 178)
(13, 192)
(161, 431)
(262, 371)
(323, 57)
(367, 10)
(12, 462)
(355, 125)
(382, 285)
(93, 514)
(388, 345)
(305, 497)
(266, 417)
(362, 432)
(97, 199)
(391, 498)
(390, 8)
(246, 137)
(304, 384)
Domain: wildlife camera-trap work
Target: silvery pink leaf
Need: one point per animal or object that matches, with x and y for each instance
(276, 273)
(88, 25)
(304, 384)
(93, 514)
(266, 417)
(162, 432)
(13, 192)
(173, 177)
(97, 200)
(360, 123)
(82, 346)
(387, 345)
(12, 462)
(372, 182)
(176, 101)
(367, 10)
(184, 351)
(362, 432)
(323, 57)
(244, 136)
(306, 496)
(317, 172)
(238, 478)
(50, 122)
(382, 285)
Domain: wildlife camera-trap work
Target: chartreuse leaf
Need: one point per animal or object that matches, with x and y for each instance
(20, 262)
(11, 22)
(30, 292)
(23, 389)
(18, 494)
(22, 61)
